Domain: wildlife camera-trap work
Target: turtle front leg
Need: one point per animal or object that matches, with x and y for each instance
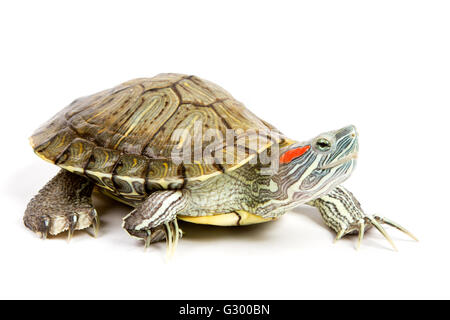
(63, 204)
(342, 212)
(156, 218)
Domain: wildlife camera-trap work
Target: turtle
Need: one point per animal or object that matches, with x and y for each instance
(178, 147)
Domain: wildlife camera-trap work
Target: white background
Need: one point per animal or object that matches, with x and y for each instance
(306, 67)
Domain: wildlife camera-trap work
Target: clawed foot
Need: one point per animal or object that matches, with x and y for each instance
(169, 231)
(54, 223)
(63, 204)
(342, 212)
(156, 219)
(368, 221)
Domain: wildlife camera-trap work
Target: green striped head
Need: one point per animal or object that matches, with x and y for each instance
(312, 168)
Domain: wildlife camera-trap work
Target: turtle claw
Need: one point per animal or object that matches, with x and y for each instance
(95, 222)
(362, 226)
(176, 234)
(375, 223)
(169, 239)
(63, 204)
(339, 235)
(148, 239)
(366, 222)
(168, 231)
(395, 225)
(173, 234)
(342, 212)
(73, 220)
(44, 227)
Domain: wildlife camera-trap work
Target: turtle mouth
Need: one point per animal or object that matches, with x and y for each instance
(351, 156)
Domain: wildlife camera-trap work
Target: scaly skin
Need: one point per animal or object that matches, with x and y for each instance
(342, 212)
(306, 176)
(63, 204)
(123, 141)
(68, 195)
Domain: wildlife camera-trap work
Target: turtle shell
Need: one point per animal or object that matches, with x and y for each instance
(125, 138)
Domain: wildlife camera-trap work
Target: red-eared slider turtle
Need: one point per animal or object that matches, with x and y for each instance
(179, 147)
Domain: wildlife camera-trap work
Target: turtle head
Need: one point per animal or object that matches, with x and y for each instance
(312, 168)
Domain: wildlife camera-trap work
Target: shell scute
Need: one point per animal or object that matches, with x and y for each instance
(53, 147)
(76, 157)
(101, 166)
(129, 136)
(164, 174)
(132, 165)
(194, 93)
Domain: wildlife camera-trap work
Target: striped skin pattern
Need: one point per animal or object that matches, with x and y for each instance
(342, 212)
(270, 196)
(123, 139)
(246, 190)
(312, 174)
(308, 176)
(157, 215)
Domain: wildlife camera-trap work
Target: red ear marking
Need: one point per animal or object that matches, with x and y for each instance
(292, 154)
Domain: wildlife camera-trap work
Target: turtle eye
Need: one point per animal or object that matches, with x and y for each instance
(323, 144)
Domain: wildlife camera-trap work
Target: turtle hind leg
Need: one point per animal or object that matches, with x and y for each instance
(63, 204)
